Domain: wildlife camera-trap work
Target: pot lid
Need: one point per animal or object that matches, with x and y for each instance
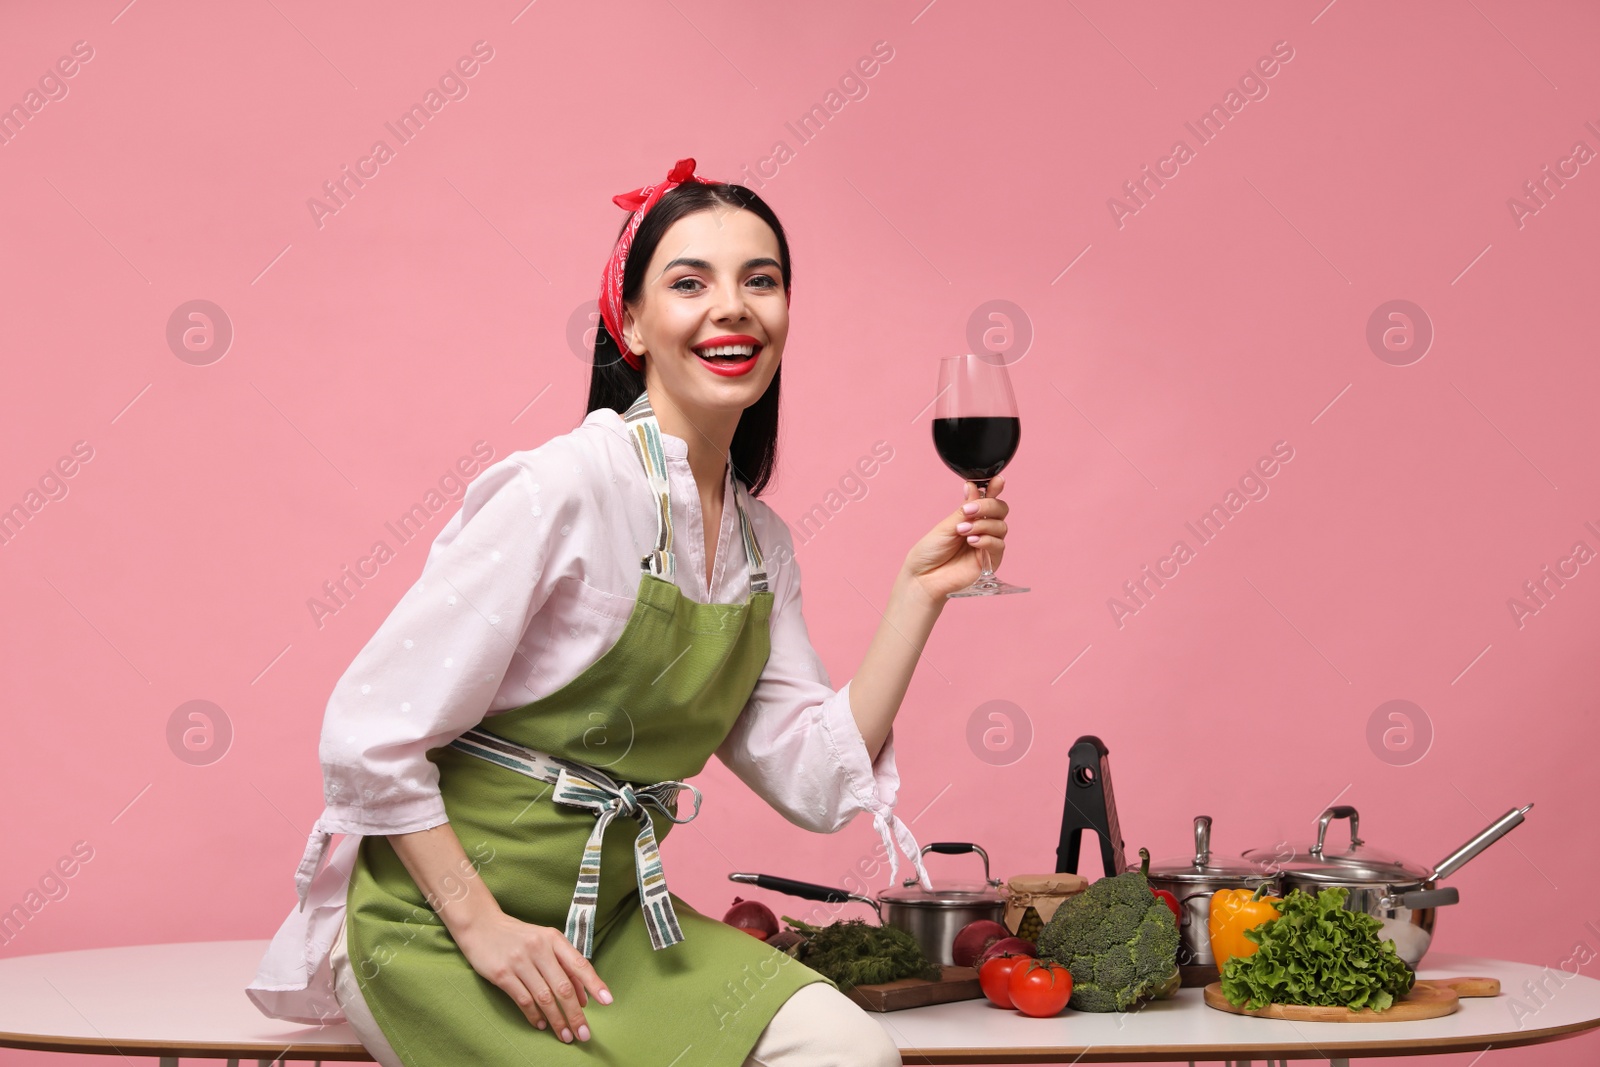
(1204, 866)
(944, 895)
(948, 894)
(1329, 861)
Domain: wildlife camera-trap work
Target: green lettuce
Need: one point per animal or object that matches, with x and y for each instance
(1316, 952)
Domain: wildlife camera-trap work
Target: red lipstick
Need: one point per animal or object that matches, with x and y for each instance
(725, 366)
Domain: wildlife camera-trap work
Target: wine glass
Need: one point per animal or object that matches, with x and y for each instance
(975, 431)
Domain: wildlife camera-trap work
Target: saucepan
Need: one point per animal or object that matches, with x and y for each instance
(1403, 895)
(932, 917)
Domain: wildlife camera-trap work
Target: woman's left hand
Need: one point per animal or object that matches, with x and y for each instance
(947, 558)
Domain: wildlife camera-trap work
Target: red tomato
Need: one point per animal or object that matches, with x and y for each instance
(1039, 988)
(995, 978)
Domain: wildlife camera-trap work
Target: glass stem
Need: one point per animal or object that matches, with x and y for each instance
(983, 553)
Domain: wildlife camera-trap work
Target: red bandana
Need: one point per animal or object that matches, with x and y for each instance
(640, 201)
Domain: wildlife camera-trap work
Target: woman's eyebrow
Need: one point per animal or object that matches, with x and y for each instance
(700, 264)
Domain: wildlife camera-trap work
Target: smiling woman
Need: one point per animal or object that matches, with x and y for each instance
(554, 650)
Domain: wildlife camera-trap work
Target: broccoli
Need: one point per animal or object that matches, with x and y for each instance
(1119, 941)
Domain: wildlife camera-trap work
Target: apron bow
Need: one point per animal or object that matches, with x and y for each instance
(583, 786)
(591, 788)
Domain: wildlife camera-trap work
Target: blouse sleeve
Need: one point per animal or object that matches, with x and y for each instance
(430, 671)
(796, 742)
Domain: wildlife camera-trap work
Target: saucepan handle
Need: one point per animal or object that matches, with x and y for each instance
(1500, 827)
(1432, 898)
(805, 890)
(1428, 898)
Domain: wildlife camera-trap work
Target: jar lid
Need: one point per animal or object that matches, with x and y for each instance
(1061, 883)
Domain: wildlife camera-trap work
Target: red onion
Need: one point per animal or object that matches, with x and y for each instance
(974, 938)
(752, 916)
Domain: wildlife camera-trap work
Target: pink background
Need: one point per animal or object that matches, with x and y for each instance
(1228, 313)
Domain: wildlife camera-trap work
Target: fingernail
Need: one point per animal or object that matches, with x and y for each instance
(583, 1033)
(970, 507)
(963, 527)
(566, 1035)
(973, 539)
(605, 996)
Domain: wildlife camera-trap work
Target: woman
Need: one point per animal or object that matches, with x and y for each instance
(640, 665)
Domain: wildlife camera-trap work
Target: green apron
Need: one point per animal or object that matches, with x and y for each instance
(688, 988)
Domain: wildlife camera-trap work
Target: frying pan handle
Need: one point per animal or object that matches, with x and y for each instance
(805, 890)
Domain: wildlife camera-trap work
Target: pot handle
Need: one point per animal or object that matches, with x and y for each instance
(1426, 898)
(1202, 841)
(956, 848)
(805, 890)
(1495, 832)
(1338, 811)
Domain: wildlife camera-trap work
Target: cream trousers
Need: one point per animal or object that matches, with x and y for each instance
(818, 1026)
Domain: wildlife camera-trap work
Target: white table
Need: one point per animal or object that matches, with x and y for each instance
(188, 1000)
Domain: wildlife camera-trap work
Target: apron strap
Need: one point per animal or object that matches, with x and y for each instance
(645, 433)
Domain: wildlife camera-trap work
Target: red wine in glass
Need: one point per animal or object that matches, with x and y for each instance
(978, 447)
(976, 431)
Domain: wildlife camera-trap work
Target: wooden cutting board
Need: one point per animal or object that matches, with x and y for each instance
(958, 983)
(1429, 998)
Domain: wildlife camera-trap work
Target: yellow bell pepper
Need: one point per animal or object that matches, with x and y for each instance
(1233, 911)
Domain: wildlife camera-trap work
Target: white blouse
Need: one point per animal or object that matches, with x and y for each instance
(525, 587)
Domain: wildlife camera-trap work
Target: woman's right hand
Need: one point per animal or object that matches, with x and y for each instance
(538, 968)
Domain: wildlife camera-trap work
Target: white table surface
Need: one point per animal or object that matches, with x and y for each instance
(188, 1000)
(1185, 1028)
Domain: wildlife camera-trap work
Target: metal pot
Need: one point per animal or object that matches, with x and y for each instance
(1403, 895)
(932, 917)
(1192, 880)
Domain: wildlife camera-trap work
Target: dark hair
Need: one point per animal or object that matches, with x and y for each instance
(614, 384)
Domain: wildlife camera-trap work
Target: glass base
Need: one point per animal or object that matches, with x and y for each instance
(988, 587)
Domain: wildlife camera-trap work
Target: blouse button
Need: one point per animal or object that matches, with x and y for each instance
(566, 528)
